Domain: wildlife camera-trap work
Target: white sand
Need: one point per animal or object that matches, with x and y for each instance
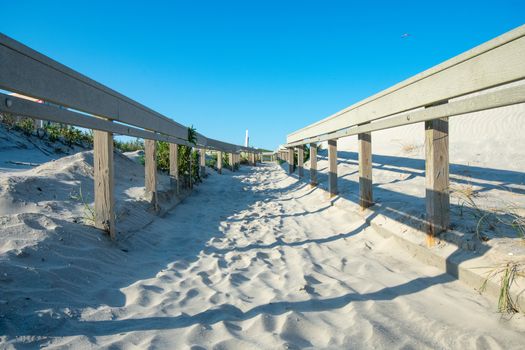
(268, 264)
(254, 259)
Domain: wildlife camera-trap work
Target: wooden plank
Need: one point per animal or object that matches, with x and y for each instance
(174, 166)
(104, 182)
(202, 159)
(332, 167)
(191, 168)
(313, 164)
(219, 162)
(300, 161)
(23, 107)
(493, 63)
(27, 72)
(291, 160)
(220, 145)
(365, 170)
(499, 98)
(437, 176)
(150, 179)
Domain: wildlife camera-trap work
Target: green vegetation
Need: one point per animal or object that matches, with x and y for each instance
(509, 272)
(244, 158)
(89, 210)
(508, 215)
(53, 132)
(188, 160)
(26, 125)
(129, 146)
(211, 160)
(68, 135)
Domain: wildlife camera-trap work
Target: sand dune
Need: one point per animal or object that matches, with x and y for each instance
(258, 259)
(270, 263)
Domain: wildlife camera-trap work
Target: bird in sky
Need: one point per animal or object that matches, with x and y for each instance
(405, 35)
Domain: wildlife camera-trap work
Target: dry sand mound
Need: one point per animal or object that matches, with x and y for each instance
(256, 259)
(269, 264)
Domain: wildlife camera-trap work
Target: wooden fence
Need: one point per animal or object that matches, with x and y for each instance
(77, 100)
(430, 97)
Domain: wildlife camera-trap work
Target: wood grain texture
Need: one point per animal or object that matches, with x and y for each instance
(202, 162)
(291, 160)
(332, 167)
(30, 73)
(219, 162)
(23, 107)
(493, 99)
(104, 182)
(493, 63)
(174, 166)
(437, 175)
(300, 161)
(365, 170)
(313, 164)
(150, 168)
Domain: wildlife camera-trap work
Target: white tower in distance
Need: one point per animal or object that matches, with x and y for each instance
(247, 140)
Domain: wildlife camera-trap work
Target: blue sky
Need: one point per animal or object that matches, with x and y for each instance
(268, 66)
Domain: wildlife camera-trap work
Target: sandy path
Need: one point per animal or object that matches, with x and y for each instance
(260, 260)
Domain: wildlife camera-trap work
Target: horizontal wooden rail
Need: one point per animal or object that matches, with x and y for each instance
(489, 76)
(496, 62)
(23, 107)
(72, 98)
(30, 73)
(505, 97)
(25, 71)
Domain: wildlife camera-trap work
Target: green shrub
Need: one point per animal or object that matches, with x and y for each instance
(8, 120)
(163, 155)
(129, 146)
(53, 132)
(211, 161)
(226, 160)
(71, 136)
(68, 135)
(26, 125)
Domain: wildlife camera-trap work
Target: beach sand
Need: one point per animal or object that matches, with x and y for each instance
(254, 259)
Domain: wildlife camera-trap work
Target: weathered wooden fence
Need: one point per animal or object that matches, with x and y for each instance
(426, 97)
(80, 101)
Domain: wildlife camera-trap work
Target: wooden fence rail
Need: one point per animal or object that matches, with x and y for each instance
(432, 96)
(75, 99)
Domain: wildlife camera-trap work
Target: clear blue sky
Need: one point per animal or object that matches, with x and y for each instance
(269, 66)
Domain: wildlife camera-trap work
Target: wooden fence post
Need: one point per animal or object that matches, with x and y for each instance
(203, 162)
(291, 159)
(365, 169)
(150, 162)
(437, 176)
(300, 160)
(190, 183)
(104, 182)
(332, 167)
(219, 162)
(313, 164)
(174, 166)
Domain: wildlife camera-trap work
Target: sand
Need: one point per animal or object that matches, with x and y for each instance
(254, 259)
